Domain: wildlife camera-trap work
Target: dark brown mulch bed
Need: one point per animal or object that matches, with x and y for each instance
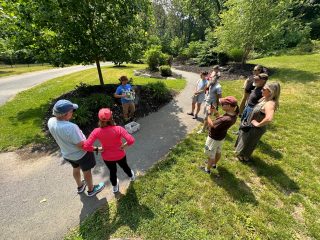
(145, 104)
(156, 74)
(228, 72)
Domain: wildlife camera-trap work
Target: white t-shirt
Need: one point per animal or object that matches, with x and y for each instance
(67, 136)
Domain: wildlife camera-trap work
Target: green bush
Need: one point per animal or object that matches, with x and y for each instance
(222, 58)
(89, 107)
(158, 92)
(192, 50)
(155, 58)
(165, 71)
(207, 57)
(236, 54)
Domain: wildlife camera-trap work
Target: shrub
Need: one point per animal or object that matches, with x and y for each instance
(192, 50)
(158, 92)
(154, 57)
(165, 71)
(236, 54)
(89, 107)
(223, 58)
(207, 57)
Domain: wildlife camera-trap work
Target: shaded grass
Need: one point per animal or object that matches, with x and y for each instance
(21, 119)
(7, 70)
(276, 196)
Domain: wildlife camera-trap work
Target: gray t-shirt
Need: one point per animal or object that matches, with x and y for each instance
(67, 136)
(213, 91)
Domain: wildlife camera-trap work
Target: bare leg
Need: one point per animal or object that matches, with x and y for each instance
(198, 108)
(88, 178)
(193, 107)
(217, 158)
(77, 176)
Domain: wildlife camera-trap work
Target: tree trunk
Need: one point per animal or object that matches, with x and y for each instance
(99, 72)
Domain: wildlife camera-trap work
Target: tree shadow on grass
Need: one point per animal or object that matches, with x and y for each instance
(294, 75)
(268, 150)
(236, 188)
(129, 213)
(275, 175)
(35, 114)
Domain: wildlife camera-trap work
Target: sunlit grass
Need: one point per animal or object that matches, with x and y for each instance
(276, 196)
(7, 70)
(21, 119)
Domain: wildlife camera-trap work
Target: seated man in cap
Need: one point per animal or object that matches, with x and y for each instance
(70, 139)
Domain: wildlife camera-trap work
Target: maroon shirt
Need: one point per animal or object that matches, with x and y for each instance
(221, 125)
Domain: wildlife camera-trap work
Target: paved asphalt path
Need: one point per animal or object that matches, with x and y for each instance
(10, 86)
(38, 195)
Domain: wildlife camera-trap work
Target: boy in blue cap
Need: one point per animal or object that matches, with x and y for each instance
(70, 139)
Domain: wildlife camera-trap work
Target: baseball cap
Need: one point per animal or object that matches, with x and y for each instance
(231, 100)
(63, 106)
(262, 76)
(104, 114)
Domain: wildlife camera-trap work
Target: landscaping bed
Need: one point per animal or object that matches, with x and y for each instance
(231, 71)
(149, 98)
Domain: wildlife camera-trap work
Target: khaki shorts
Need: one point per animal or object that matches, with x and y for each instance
(212, 147)
(128, 108)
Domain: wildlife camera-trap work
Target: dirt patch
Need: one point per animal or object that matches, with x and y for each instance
(233, 71)
(298, 213)
(154, 74)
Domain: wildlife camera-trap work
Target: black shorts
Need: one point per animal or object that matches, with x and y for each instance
(85, 163)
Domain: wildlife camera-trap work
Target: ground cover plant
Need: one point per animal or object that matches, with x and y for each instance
(21, 119)
(7, 70)
(276, 196)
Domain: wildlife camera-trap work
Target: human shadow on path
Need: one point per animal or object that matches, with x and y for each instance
(90, 204)
(236, 188)
(129, 213)
(275, 175)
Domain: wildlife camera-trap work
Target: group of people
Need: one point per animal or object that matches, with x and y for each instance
(258, 105)
(78, 151)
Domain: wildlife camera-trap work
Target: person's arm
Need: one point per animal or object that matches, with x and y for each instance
(119, 94)
(245, 96)
(269, 109)
(128, 137)
(88, 144)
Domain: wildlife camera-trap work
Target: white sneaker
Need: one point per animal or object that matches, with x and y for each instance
(115, 188)
(133, 176)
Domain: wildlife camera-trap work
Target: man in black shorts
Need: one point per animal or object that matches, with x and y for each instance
(70, 139)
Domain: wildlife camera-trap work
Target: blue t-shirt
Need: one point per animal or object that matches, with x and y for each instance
(67, 136)
(125, 89)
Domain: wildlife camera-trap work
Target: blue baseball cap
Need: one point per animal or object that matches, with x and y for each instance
(63, 106)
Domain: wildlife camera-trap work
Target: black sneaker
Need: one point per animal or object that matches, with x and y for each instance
(204, 169)
(191, 114)
(195, 117)
(82, 188)
(96, 189)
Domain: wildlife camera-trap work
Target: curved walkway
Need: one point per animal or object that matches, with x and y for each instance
(38, 196)
(10, 86)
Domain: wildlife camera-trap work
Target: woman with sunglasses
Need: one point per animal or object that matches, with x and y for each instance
(254, 127)
(249, 86)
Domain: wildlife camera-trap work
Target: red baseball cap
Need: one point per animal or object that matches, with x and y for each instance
(105, 114)
(231, 100)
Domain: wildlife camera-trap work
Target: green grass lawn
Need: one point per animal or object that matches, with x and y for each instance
(276, 196)
(21, 119)
(7, 70)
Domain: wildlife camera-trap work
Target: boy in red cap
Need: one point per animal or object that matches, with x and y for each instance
(218, 130)
(110, 137)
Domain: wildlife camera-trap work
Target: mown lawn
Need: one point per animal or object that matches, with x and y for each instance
(7, 70)
(276, 196)
(21, 119)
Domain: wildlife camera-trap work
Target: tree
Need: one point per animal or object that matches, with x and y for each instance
(87, 31)
(248, 24)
